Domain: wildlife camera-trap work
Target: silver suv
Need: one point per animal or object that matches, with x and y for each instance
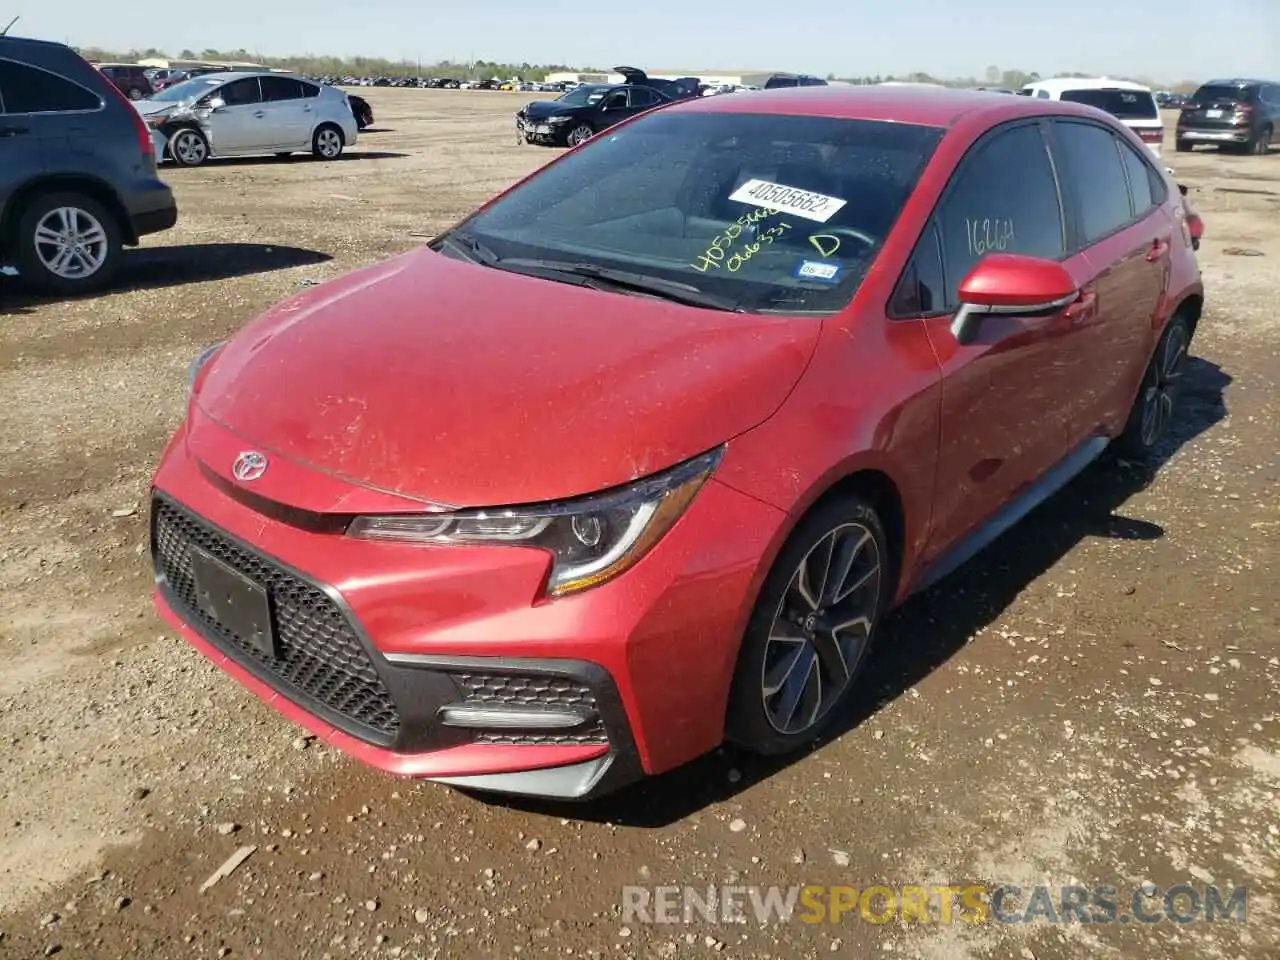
(77, 170)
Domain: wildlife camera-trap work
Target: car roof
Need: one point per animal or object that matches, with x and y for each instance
(926, 106)
(1059, 84)
(1234, 82)
(242, 74)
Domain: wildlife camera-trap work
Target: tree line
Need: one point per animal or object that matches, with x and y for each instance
(322, 66)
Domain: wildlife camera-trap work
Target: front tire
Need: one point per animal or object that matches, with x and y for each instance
(68, 244)
(1152, 414)
(813, 622)
(188, 147)
(579, 134)
(327, 142)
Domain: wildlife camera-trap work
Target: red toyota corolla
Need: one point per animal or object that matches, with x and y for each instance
(635, 458)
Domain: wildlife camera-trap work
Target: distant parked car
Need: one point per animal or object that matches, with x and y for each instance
(589, 108)
(781, 80)
(1240, 114)
(242, 114)
(129, 78)
(1131, 103)
(361, 110)
(77, 170)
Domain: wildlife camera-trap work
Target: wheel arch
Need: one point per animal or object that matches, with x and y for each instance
(1189, 309)
(90, 186)
(334, 125)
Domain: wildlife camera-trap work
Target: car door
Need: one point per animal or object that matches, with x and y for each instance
(614, 108)
(1126, 238)
(21, 158)
(44, 118)
(1002, 395)
(286, 123)
(642, 99)
(237, 126)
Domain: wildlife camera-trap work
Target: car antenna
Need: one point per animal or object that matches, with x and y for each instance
(5, 31)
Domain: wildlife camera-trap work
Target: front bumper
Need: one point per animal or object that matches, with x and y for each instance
(543, 134)
(394, 653)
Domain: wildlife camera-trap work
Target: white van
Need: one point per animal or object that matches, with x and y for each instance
(1130, 103)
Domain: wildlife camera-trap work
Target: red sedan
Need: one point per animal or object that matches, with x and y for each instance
(635, 458)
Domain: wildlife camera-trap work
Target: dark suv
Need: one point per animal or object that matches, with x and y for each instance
(129, 78)
(779, 80)
(1241, 114)
(77, 169)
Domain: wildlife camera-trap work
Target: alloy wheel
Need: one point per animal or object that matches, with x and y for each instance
(328, 143)
(70, 243)
(1262, 145)
(189, 148)
(1164, 378)
(578, 134)
(821, 628)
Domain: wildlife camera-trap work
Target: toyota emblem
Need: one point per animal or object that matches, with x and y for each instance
(250, 465)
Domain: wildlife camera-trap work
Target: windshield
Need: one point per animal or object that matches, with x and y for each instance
(1124, 104)
(773, 213)
(187, 90)
(582, 96)
(1218, 92)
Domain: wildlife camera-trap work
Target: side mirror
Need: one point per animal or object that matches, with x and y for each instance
(217, 103)
(1010, 283)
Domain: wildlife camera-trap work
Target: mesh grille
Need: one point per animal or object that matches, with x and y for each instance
(526, 690)
(320, 655)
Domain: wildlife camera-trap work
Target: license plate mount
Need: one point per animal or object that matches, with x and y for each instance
(240, 605)
(1213, 114)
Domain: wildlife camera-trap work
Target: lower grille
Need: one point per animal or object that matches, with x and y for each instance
(320, 657)
(528, 690)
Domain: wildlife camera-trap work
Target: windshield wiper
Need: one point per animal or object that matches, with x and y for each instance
(472, 247)
(590, 274)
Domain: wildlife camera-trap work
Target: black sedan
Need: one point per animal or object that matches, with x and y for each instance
(586, 110)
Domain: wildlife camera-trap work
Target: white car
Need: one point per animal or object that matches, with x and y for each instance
(1131, 103)
(245, 114)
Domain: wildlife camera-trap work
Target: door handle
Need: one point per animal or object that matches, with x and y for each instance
(1158, 248)
(259, 114)
(14, 131)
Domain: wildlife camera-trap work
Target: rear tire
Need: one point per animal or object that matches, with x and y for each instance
(805, 641)
(327, 143)
(1155, 406)
(1183, 146)
(135, 93)
(1260, 145)
(68, 244)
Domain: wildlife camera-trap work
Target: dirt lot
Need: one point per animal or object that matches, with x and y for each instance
(1096, 700)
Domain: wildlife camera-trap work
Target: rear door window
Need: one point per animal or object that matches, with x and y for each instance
(1004, 199)
(1125, 104)
(26, 89)
(280, 88)
(1091, 163)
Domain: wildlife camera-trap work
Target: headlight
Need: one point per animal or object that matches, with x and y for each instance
(591, 539)
(560, 119)
(200, 359)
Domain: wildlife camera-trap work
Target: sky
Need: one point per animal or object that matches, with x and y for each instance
(1166, 40)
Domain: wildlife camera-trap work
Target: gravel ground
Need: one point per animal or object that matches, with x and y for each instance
(1093, 701)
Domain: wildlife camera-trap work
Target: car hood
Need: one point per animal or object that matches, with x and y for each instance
(156, 108)
(462, 385)
(542, 109)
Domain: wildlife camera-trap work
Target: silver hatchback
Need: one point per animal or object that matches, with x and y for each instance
(246, 114)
